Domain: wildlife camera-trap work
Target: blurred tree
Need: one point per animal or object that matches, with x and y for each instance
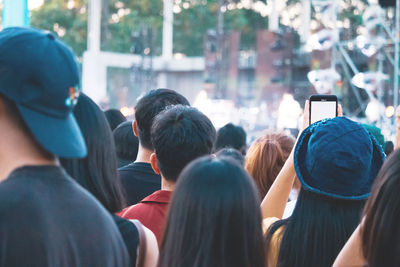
(130, 17)
(66, 18)
(121, 19)
(196, 17)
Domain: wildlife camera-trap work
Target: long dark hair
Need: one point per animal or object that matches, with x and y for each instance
(317, 230)
(381, 227)
(98, 171)
(214, 218)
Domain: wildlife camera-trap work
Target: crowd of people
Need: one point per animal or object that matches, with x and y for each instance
(83, 187)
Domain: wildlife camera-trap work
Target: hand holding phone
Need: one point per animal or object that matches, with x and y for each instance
(323, 107)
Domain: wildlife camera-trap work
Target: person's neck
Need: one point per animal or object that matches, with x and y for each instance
(143, 154)
(18, 151)
(167, 185)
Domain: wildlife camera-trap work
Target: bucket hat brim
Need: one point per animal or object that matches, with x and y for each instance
(378, 157)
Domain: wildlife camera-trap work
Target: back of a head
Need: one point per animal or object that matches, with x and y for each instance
(231, 153)
(114, 118)
(179, 135)
(126, 143)
(98, 171)
(214, 218)
(266, 157)
(231, 136)
(42, 92)
(376, 132)
(149, 106)
(380, 230)
(389, 147)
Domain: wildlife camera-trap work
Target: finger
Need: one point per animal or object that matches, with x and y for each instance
(398, 111)
(306, 116)
(340, 110)
(307, 108)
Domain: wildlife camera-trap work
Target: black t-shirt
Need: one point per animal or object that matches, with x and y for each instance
(130, 234)
(139, 181)
(47, 219)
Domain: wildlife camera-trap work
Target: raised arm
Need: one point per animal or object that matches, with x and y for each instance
(397, 143)
(274, 203)
(151, 257)
(351, 254)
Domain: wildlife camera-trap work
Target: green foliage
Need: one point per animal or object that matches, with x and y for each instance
(55, 16)
(190, 25)
(144, 15)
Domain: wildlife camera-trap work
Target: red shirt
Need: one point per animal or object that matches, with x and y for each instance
(151, 212)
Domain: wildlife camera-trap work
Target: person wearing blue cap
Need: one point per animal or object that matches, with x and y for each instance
(46, 218)
(336, 161)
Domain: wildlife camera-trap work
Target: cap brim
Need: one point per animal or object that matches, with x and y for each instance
(61, 137)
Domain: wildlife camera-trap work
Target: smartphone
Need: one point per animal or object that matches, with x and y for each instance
(323, 107)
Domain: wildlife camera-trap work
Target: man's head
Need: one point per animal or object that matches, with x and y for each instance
(148, 107)
(114, 118)
(180, 134)
(38, 80)
(231, 136)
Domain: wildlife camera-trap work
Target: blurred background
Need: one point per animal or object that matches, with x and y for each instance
(250, 62)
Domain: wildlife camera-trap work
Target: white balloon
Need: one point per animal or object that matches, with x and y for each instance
(373, 16)
(369, 45)
(374, 110)
(369, 80)
(323, 80)
(323, 40)
(326, 10)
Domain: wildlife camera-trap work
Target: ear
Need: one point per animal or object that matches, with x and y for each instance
(154, 164)
(134, 127)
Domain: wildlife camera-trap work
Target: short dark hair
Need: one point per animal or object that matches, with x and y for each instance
(231, 136)
(231, 153)
(389, 147)
(114, 118)
(180, 134)
(98, 171)
(217, 196)
(126, 143)
(149, 106)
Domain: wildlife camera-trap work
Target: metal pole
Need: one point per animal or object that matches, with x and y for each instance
(393, 38)
(305, 20)
(380, 58)
(15, 13)
(396, 55)
(273, 22)
(347, 58)
(348, 76)
(220, 41)
(168, 29)
(94, 25)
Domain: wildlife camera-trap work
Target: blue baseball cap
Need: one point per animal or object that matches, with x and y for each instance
(338, 158)
(39, 73)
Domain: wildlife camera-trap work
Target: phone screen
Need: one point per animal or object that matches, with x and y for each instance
(322, 110)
